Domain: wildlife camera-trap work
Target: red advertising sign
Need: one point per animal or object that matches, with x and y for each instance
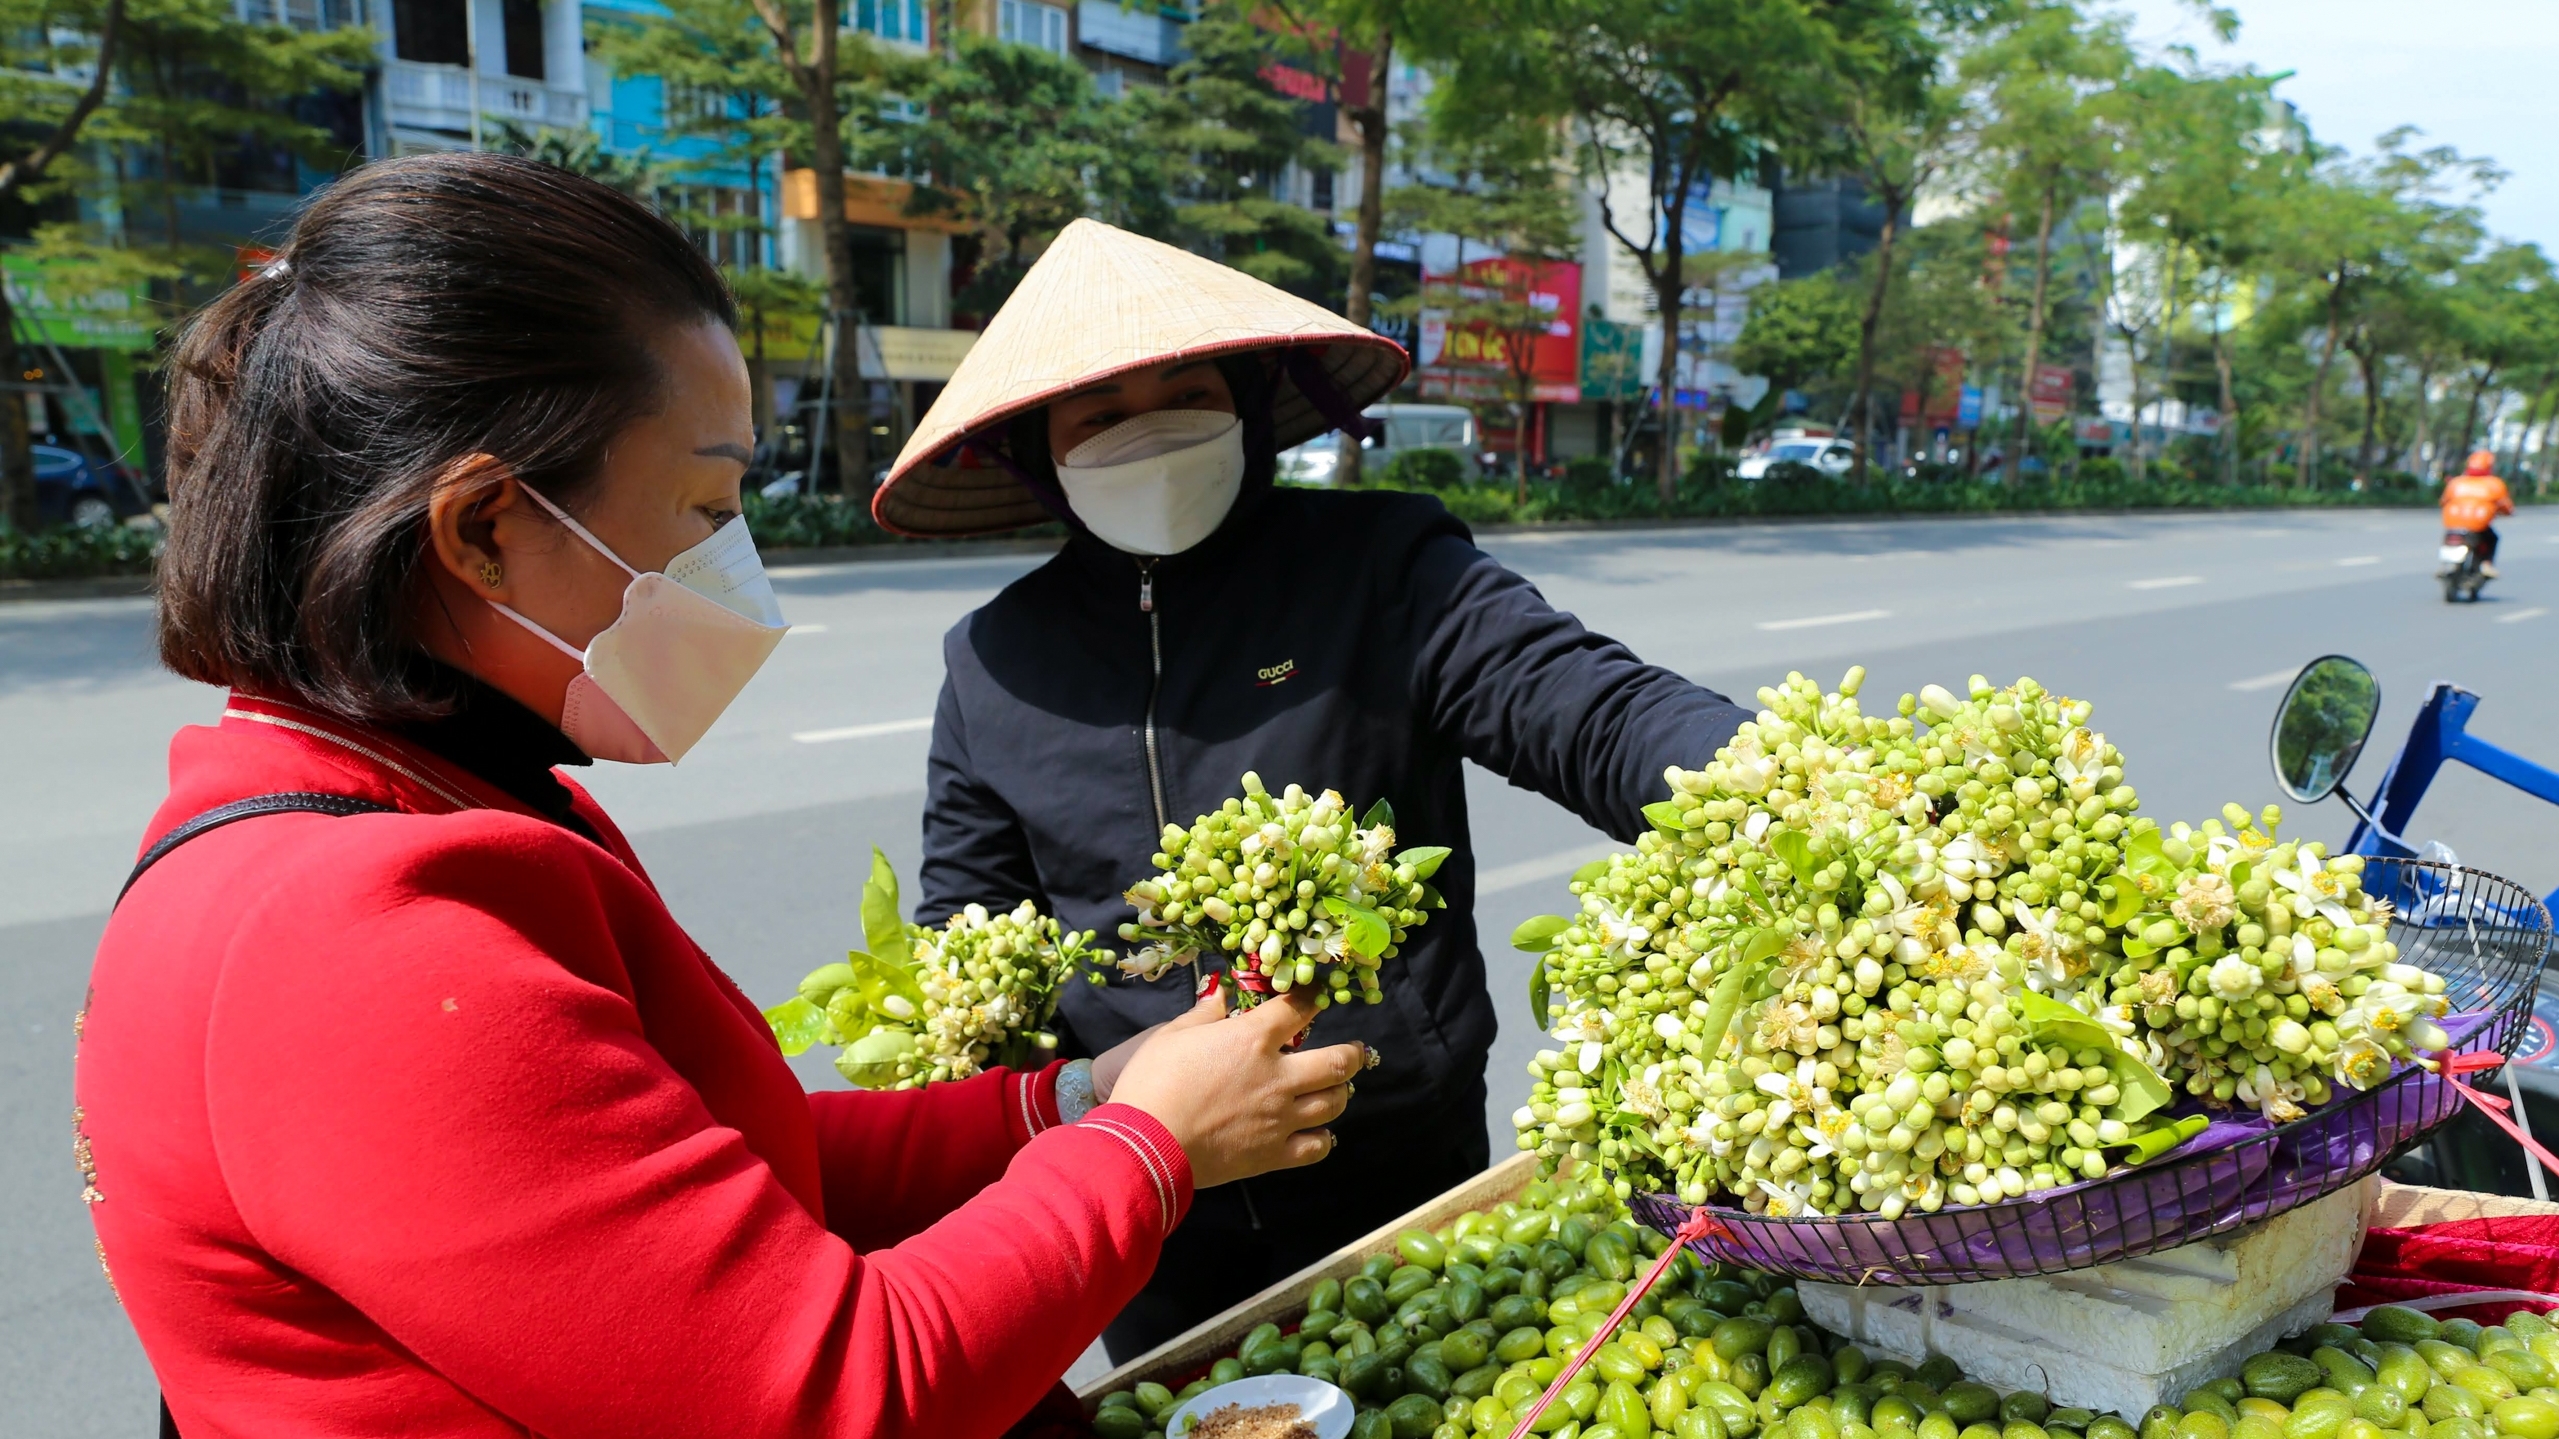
(1459, 359)
(1936, 405)
(2050, 393)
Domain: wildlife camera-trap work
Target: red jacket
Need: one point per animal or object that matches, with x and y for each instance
(436, 1122)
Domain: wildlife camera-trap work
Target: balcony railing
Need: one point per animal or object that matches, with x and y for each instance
(438, 97)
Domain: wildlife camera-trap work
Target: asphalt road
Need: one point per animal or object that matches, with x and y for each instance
(2182, 630)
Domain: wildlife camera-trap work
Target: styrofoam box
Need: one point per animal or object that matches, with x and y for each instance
(2118, 1337)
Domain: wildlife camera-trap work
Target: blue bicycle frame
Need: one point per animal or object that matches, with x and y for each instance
(2441, 733)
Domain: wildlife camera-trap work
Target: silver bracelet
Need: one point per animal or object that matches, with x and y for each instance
(1075, 1091)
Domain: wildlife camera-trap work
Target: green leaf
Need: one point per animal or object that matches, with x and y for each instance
(2145, 1090)
(1366, 932)
(2142, 855)
(1537, 994)
(1664, 815)
(797, 1024)
(1796, 848)
(2050, 1020)
(1425, 859)
(1378, 813)
(877, 979)
(1432, 898)
(1761, 945)
(824, 981)
(2123, 899)
(1538, 935)
(1590, 871)
(883, 927)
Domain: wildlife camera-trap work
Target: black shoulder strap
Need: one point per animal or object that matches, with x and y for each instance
(289, 802)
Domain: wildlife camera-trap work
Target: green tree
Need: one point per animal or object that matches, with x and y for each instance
(831, 72)
(1799, 332)
(41, 119)
(2207, 185)
(2046, 143)
(198, 85)
(1501, 189)
(2496, 320)
(1016, 140)
(1369, 33)
(1670, 95)
(1225, 139)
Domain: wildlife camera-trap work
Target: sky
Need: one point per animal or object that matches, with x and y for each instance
(2479, 75)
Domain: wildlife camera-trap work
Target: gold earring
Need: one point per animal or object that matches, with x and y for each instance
(490, 574)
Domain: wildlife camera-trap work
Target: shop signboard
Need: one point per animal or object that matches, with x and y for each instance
(1612, 361)
(2050, 393)
(1460, 358)
(54, 307)
(1968, 408)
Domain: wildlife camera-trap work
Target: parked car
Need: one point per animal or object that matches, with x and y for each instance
(1408, 427)
(1828, 456)
(73, 488)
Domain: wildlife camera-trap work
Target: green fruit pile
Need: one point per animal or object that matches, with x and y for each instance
(919, 1006)
(2400, 1375)
(1289, 889)
(1891, 963)
(1458, 1332)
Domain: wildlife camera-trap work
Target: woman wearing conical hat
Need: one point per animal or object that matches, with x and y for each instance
(1200, 623)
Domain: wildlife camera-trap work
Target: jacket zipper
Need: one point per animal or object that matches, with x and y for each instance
(1155, 762)
(1154, 687)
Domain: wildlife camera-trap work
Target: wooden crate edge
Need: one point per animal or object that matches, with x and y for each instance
(1213, 1336)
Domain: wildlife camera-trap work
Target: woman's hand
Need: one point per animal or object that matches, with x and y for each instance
(1108, 1064)
(1233, 1096)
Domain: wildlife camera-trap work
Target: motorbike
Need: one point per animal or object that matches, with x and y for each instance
(2319, 731)
(2460, 567)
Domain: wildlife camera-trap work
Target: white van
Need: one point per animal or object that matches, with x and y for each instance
(1408, 427)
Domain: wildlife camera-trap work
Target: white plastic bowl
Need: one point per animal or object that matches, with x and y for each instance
(1324, 1408)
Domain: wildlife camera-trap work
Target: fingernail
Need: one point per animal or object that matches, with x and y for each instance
(1373, 1056)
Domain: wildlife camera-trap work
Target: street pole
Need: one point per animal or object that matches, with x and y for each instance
(471, 55)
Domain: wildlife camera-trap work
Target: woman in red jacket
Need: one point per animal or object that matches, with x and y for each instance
(409, 1107)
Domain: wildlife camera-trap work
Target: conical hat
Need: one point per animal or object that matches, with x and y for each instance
(1098, 303)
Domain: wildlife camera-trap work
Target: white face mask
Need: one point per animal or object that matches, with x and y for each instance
(689, 639)
(1159, 483)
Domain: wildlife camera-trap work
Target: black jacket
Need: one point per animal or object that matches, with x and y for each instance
(1355, 641)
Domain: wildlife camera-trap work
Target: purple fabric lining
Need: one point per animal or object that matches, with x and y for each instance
(2239, 1169)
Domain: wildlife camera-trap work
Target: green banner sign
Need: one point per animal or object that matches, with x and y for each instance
(1612, 360)
(53, 310)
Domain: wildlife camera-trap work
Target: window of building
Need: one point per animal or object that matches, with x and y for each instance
(433, 32)
(523, 21)
(694, 106)
(725, 221)
(1027, 22)
(899, 20)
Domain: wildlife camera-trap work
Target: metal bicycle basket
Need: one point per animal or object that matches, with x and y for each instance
(2486, 936)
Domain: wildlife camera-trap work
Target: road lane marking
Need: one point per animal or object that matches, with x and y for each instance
(2266, 681)
(1544, 867)
(862, 731)
(2358, 560)
(1816, 621)
(2168, 582)
(2519, 616)
(804, 630)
